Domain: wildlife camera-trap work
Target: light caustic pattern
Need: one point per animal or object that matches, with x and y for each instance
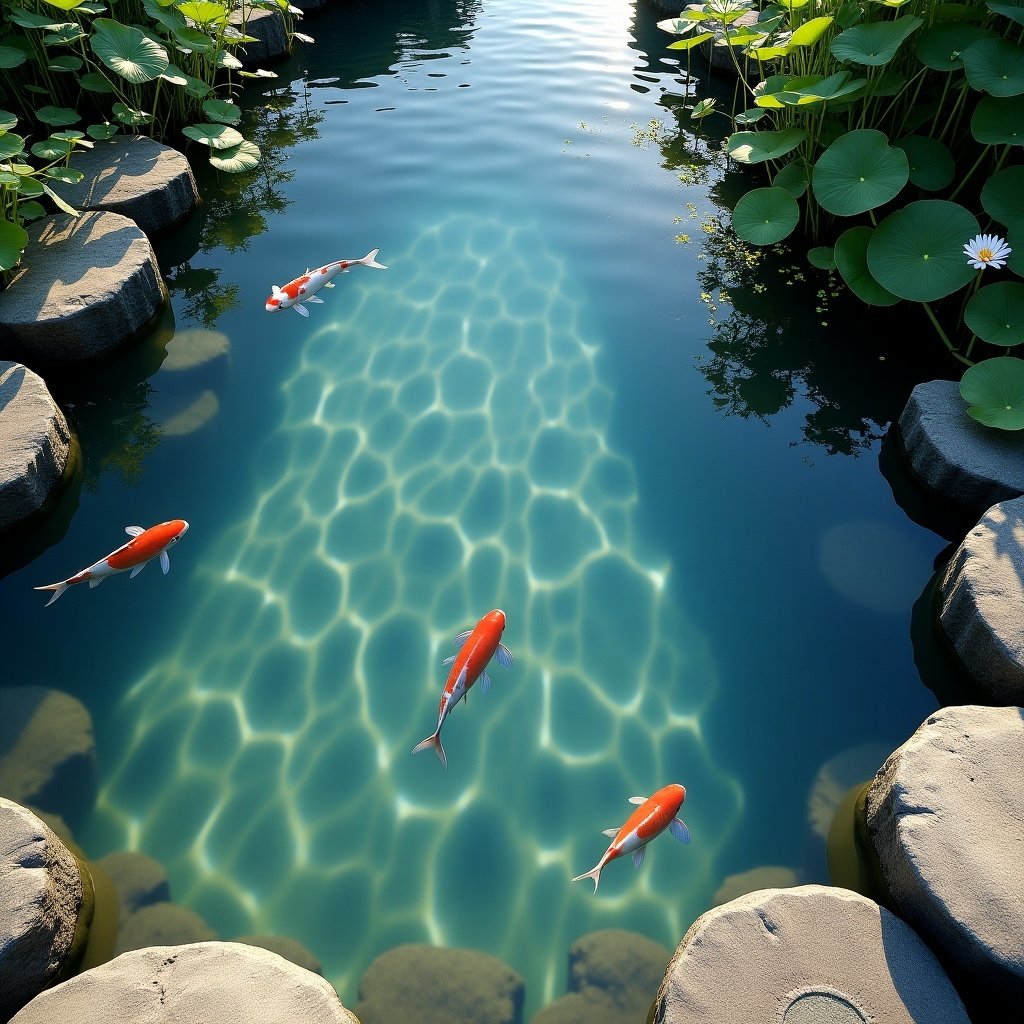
(443, 453)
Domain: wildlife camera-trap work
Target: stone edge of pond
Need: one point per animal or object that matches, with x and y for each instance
(267, 29)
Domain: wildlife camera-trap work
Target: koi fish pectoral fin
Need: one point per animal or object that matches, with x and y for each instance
(135, 572)
(610, 832)
(95, 582)
(329, 284)
(300, 309)
(459, 640)
(313, 298)
(165, 562)
(679, 830)
(134, 531)
(505, 659)
(485, 682)
(638, 799)
(638, 857)
(448, 661)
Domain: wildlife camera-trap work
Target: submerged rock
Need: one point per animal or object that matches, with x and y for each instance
(140, 881)
(86, 286)
(613, 976)
(418, 984)
(770, 876)
(982, 593)
(35, 444)
(161, 924)
(137, 177)
(282, 945)
(43, 897)
(212, 982)
(47, 751)
(808, 954)
(946, 820)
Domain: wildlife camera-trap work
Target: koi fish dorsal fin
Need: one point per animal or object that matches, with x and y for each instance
(134, 531)
(275, 290)
(638, 799)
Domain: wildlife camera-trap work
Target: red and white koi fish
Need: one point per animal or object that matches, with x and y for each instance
(650, 819)
(477, 646)
(304, 289)
(144, 546)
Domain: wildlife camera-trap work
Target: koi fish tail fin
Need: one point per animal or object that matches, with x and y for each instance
(57, 588)
(370, 260)
(433, 741)
(594, 873)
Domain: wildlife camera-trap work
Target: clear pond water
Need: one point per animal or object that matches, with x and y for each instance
(705, 576)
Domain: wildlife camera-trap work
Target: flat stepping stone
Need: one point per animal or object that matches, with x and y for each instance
(35, 444)
(946, 820)
(137, 177)
(814, 954)
(613, 977)
(420, 984)
(212, 982)
(982, 594)
(41, 897)
(86, 286)
(47, 751)
(970, 466)
(267, 28)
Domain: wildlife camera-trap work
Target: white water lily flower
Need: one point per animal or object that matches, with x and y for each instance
(987, 251)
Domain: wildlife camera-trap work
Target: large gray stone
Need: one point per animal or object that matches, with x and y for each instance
(613, 977)
(140, 880)
(418, 984)
(47, 751)
(267, 28)
(84, 287)
(982, 594)
(208, 982)
(810, 955)
(35, 442)
(42, 896)
(972, 467)
(135, 176)
(946, 820)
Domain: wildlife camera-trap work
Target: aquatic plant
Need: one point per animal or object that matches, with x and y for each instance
(887, 130)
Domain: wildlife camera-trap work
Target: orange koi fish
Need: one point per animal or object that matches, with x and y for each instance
(144, 546)
(650, 819)
(304, 289)
(477, 646)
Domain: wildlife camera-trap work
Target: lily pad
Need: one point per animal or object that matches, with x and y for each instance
(995, 66)
(994, 392)
(101, 132)
(851, 261)
(216, 136)
(11, 145)
(7, 121)
(203, 12)
(918, 252)
(127, 51)
(1002, 196)
(794, 178)
(941, 47)
(13, 239)
(823, 257)
(11, 57)
(95, 82)
(243, 157)
(996, 314)
(860, 171)
(931, 164)
(58, 116)
(52, 149)
(1012, 9)
(757, 147)
(765, 216)
(222, 112)
(751, 115)
(998, 121)
(874, 43)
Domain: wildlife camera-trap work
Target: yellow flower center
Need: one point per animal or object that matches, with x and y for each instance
(985, 255)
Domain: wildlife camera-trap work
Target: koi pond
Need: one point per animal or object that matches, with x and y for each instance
(705, 576)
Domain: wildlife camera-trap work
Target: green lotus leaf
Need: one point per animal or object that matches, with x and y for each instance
(765, 216)
(130, 116)
(243, 157)
(888, 83)
(959, 12)
(994, 392)
(995, 66)
(227, 61)
(29, 187)
(995, 314)
(222, 112)
(823, 257)
(101, 132)
(11, 57)
(95, 82)
(65, 5)
(1012, 9)
(794, 178)
(127, 51)
(750, 116)
(11, 145)
(69, 175)
(31, 210)
(918, 252)
(7, 121)
(13, 239)
(810, 31)
(193, 40)
(52, 149)
(860, 171)
(832, 88)
(6, 178)
(216, 136)
(67, 63)
(767, 93)
(756, 147)
(166, 16)
(57, 116)
(689, 44)
(941, 47)
(29, 19)
(931, 164)
(66, 35)
(1002, 196)
(203, 12)
(874, 43)
(998, 120)
(850, 254)
(68, 136)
